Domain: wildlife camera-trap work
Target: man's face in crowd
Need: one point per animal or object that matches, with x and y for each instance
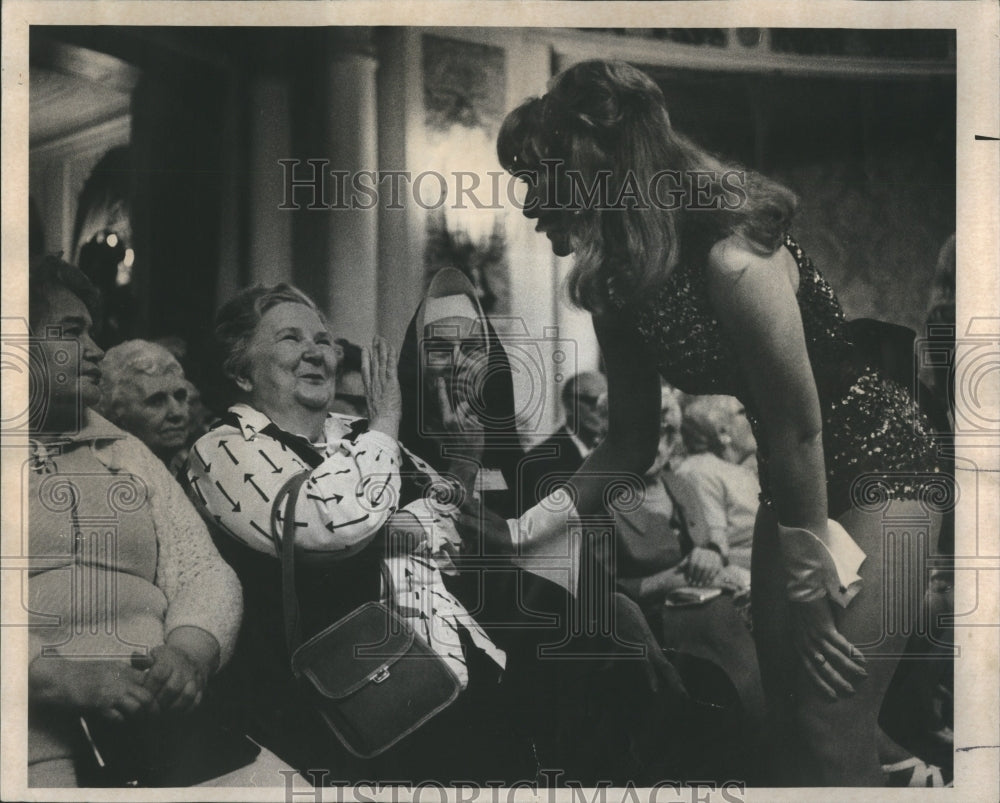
(590, 418)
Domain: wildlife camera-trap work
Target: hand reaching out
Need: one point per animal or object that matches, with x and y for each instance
(385, 400)
(482, 531)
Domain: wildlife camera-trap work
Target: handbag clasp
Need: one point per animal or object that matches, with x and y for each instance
(381, 676)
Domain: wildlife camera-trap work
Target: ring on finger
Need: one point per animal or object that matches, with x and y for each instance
(819, 658)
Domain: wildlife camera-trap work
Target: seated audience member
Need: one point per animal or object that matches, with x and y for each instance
(662, 547)
(719, 443)
(453, 353)
(671, 414)
(550, 463)
(144, 391)
(201, 382)
(129, 663)
(662, 544)
(350, 396)
(277, 353)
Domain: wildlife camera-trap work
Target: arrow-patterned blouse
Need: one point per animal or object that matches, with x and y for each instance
(234, 474)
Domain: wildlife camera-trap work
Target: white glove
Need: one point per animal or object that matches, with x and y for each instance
(817, 565)
(547, 541)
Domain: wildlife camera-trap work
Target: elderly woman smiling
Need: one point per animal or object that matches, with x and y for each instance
(280, 357)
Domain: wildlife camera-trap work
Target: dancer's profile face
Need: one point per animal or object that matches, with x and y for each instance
(548, 203)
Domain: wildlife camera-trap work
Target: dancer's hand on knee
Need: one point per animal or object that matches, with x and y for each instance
(831, 662)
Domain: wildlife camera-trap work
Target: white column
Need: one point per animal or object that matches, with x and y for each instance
(353, 233)
(402, 232)
(537, 277)
(270, 228)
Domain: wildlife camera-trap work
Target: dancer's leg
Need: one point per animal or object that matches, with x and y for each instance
(816, 741)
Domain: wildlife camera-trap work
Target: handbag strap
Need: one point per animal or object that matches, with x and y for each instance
(284, 545)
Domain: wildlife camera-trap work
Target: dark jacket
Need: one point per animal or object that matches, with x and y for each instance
(546, 467)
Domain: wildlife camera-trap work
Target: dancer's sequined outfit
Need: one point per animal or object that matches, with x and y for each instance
(870, 423)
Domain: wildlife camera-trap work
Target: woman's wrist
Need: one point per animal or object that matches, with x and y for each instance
(717, 549)
(198, 645)
(386, 424)
(819, 564)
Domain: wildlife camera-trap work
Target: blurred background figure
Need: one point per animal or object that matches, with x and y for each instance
(144, 391)
(349, 398)
(671, 450)
(663, 543)
(554, 460)
(720, 445)
(663, 548)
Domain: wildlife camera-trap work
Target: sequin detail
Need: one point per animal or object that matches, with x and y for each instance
(870, 424)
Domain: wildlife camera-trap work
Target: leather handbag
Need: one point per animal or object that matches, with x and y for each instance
(373, 679)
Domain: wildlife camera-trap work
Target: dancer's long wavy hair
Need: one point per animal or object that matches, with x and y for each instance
(607, 117)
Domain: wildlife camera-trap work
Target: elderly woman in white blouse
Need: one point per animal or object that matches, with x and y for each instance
(277, 352)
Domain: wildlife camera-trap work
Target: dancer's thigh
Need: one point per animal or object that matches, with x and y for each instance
(833, 743)
(881, 617)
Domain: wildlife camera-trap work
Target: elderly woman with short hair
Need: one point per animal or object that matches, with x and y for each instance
(277, 352)
(128, 564)
(144, 391)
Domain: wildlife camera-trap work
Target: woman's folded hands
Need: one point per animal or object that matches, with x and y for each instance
(179, 669)
(112, 686)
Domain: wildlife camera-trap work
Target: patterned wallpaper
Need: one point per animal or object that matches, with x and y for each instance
(873, 233)
(872, 161)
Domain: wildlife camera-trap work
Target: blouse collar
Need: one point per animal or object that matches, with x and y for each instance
(251, 421)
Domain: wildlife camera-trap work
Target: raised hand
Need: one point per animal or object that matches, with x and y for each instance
(385, 400)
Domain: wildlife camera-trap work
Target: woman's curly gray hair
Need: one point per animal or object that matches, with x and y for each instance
(705, 420)
(123, 362)
(237, 320)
